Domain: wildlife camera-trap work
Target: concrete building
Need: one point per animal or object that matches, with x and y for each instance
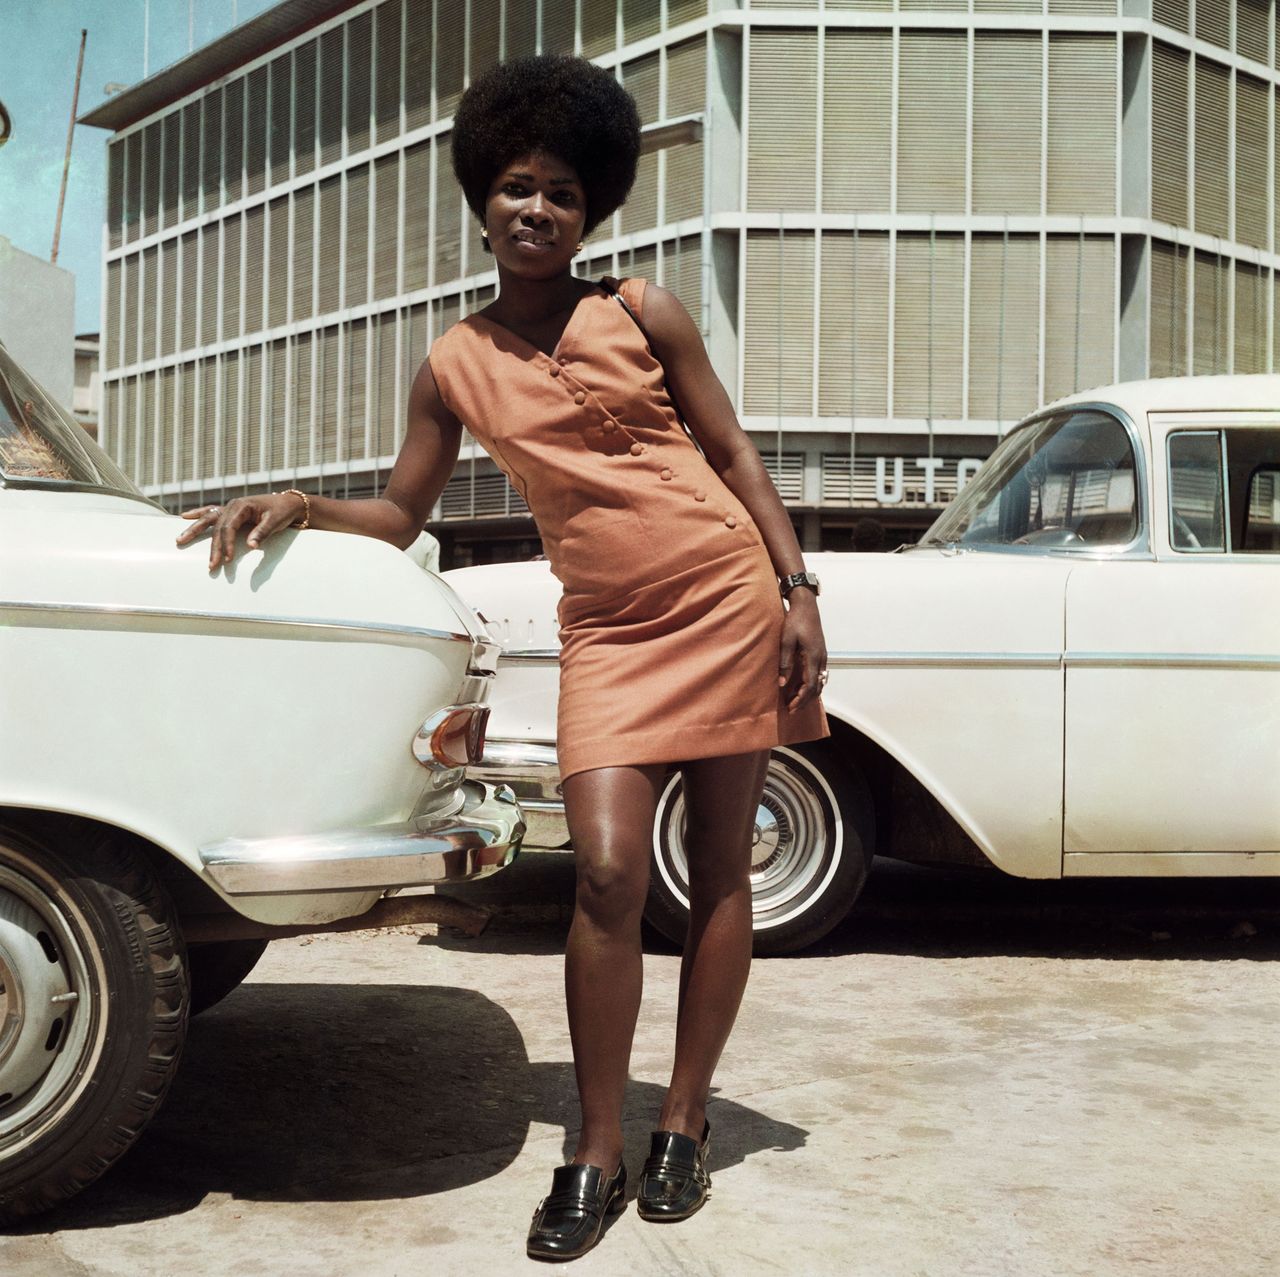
(38, 318)
(87, 397)
(901, 224)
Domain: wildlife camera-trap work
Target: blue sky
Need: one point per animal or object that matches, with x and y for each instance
(38, 49)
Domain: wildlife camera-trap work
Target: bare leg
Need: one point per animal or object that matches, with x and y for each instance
(610, 814)
(721, 798)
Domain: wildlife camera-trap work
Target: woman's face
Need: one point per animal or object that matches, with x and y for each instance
(535, 214)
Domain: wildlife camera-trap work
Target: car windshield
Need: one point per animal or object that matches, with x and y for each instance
(42, 446)
(1065, 481)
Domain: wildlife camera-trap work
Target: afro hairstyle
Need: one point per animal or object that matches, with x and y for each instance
(555, 105)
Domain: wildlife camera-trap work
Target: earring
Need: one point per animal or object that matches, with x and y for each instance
(580, 247)
(484, 234)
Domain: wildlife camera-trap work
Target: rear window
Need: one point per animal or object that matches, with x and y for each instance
(42, 446)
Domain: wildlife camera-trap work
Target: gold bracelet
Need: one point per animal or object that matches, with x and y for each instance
(306, 506)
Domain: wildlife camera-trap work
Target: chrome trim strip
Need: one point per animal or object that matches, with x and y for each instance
(234, 618)
(1052, 660)
(1171, 864)
(950, 660)
(1171, 660)
(529, 655)
(478, 840)
(503, 752)
(533, 771)
(1001, 660)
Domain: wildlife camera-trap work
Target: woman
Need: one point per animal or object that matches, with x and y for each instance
(676, 646)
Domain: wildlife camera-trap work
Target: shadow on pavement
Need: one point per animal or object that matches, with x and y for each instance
(911, 909)
(342, 1093)
(947, 912)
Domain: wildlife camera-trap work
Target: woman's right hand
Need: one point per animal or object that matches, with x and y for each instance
(265, 515)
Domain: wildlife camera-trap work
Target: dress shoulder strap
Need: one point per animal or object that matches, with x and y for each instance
(631, 291)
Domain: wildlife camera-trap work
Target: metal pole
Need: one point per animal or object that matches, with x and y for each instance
(146, 38)
(928, 421)
(782, 262)
(1217, 306)
(66, 162)
(191, 26)
(1075, 373)
(853, 362)
(1004, 266)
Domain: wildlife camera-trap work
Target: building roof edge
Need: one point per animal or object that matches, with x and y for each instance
(220, 57)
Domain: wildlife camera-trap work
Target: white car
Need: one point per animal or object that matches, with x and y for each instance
(1076, 672)
(191, 764)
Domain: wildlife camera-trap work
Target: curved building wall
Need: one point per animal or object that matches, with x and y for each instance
(899, 227)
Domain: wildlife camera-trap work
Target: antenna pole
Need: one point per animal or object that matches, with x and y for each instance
(66, 163)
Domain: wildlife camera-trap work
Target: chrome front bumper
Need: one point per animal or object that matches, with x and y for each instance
(533, 774)
(480, 837)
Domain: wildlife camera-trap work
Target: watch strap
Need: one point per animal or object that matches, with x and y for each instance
(788, 583)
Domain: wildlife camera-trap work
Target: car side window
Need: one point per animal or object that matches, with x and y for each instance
(1224, 490)
(1195, 491)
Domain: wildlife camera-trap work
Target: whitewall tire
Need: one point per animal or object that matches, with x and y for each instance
(814, 837)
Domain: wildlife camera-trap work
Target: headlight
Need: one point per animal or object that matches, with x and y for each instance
(452, 737)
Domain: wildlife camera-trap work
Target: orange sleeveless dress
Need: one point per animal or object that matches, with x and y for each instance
(670, 616)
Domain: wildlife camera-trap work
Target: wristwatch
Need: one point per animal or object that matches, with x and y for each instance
(789, 583)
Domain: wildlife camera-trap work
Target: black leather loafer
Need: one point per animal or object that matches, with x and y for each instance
(570, 1219)
(674, 1183)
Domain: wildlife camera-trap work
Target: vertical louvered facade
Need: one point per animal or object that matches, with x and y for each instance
(900, 227)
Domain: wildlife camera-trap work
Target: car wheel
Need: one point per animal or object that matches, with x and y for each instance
(218, 968)
(93, 1009)
(814, 839)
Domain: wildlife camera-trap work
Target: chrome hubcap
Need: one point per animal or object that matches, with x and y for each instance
(796, 842)
(44, 1031)
(765, 839)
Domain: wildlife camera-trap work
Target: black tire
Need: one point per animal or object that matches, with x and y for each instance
(81, 914)
(814, 841)
(218, 968)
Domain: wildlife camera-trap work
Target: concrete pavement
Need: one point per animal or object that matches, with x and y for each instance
(973, 1076)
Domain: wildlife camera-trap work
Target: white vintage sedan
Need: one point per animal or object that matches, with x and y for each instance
(1075, 673)
(191, 765)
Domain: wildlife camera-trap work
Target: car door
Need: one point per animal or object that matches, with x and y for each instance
(1173, 666)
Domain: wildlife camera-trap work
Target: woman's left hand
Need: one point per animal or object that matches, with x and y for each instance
(802, 661)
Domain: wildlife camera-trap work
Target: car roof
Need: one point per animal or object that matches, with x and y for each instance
(1240, 391)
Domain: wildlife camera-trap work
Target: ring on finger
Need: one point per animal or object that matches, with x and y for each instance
(215, 510)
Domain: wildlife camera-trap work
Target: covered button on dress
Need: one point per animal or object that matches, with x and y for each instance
(670, 616)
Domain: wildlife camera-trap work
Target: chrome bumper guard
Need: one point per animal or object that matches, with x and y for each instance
(532, 772)
(478, 838)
